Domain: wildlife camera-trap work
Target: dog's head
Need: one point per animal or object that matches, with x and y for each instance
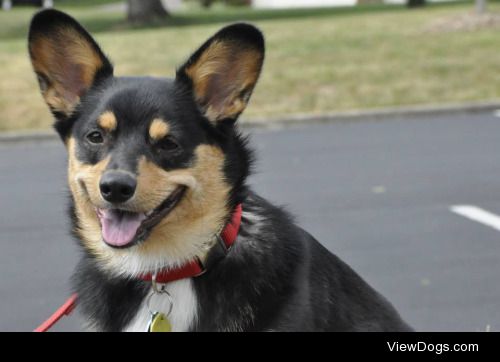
(155, 165)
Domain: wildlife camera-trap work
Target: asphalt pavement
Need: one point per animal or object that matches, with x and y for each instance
(378, 193)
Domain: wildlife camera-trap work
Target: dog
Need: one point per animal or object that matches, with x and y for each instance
(173, 239)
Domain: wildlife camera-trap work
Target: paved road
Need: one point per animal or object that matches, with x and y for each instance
(377, 193)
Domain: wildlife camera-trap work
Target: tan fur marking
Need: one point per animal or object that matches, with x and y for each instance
(202, 211)
(83, 181)
(211, 62)
(69, 63)
(228, 71)
(55, 101)
(107, 121)
(185, 233)
(158, 129)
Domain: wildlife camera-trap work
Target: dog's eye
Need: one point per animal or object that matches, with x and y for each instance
(95, 137)
(167, 144)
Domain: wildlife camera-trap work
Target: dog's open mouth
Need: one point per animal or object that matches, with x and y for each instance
(122, 229)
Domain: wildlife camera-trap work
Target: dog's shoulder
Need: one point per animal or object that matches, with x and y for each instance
(279, 277)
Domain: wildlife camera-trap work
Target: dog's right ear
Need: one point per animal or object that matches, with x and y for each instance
(67, 62)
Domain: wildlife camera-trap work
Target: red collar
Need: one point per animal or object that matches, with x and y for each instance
(196, 267)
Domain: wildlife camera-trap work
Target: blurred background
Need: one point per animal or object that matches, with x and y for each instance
(375, 121)
(366, 55)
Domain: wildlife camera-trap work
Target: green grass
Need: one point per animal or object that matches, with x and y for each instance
(317, 60)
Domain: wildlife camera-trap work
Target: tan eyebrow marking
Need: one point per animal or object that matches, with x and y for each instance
(107, 121)
(158, 129)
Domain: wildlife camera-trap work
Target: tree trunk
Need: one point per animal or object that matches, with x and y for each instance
(144, 11)
(480, 6)
(415, 3)
(6, 5)
(207, 3)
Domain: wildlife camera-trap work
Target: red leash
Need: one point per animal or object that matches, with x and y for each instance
(63, 310)
(189, 270)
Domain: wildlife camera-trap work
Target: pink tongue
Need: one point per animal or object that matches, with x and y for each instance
(118, 227)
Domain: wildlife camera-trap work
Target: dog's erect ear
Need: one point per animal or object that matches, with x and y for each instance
(224, 70)
(66, 60)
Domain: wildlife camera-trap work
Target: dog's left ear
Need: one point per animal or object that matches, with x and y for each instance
(224, 70)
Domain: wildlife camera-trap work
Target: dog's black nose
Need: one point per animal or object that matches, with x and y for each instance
(117, 186)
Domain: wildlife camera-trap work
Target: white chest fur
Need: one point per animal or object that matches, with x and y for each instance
(184, 310)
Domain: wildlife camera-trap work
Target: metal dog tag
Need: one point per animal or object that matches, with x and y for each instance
(159, 323)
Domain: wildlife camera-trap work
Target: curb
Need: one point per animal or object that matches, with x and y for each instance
(28, 136)
(297, 119)
(373, 114)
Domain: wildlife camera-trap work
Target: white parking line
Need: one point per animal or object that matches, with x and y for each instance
(477, 214)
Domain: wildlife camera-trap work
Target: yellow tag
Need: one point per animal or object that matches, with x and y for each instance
(160, 323)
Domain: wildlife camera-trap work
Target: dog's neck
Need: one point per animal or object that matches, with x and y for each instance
(199, 265)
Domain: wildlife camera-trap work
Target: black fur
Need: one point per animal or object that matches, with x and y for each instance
(277, 277)
(108, 302)
(282, 279)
